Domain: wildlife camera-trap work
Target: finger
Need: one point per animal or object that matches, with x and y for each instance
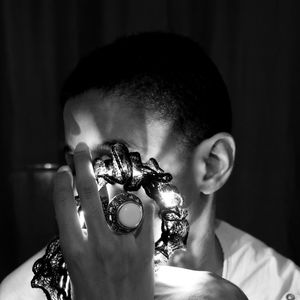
(145, 237)
(65, 208)
(88, 192)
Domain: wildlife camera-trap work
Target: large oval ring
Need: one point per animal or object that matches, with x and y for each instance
(125, 213)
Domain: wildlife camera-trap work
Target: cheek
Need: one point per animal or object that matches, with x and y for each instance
(185, 183)
(171, 164)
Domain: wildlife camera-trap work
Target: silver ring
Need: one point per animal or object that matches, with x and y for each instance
(125, 213)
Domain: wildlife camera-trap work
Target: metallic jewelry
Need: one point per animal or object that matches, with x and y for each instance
(126, 168)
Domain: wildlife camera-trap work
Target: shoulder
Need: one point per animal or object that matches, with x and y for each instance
(175, 283)
(255, 267)
(16, 286)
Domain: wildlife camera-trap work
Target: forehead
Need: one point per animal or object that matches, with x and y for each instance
(95, 118)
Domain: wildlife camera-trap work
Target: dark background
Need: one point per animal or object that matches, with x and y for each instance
(254, 43)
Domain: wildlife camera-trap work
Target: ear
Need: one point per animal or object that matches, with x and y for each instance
(213, 162)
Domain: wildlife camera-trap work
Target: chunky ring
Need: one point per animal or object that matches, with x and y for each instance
(124, 213)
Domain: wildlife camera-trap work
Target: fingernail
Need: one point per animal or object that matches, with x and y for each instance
(82, 147)
(64, 169)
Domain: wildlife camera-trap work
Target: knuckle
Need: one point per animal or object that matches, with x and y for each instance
(61, 188)
(87, 188)
(81, 153)
(88, 191)
(93, 213)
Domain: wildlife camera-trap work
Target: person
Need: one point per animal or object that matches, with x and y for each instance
(162, 96)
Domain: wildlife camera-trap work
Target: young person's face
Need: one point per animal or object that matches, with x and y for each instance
(96, 120)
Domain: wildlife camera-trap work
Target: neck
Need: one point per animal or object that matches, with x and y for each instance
(203, 249)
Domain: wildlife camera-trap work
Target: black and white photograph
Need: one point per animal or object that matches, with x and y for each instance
(150, 150)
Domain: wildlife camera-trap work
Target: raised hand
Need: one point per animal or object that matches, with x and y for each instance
(101, 264)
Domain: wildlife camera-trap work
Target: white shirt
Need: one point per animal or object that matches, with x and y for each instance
(259, 271)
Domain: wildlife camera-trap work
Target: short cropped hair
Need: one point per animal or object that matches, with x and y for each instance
(165, 73)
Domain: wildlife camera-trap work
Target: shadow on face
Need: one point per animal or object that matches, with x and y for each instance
(98, 120)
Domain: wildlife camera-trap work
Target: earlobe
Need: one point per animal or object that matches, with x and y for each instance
(213, 163)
